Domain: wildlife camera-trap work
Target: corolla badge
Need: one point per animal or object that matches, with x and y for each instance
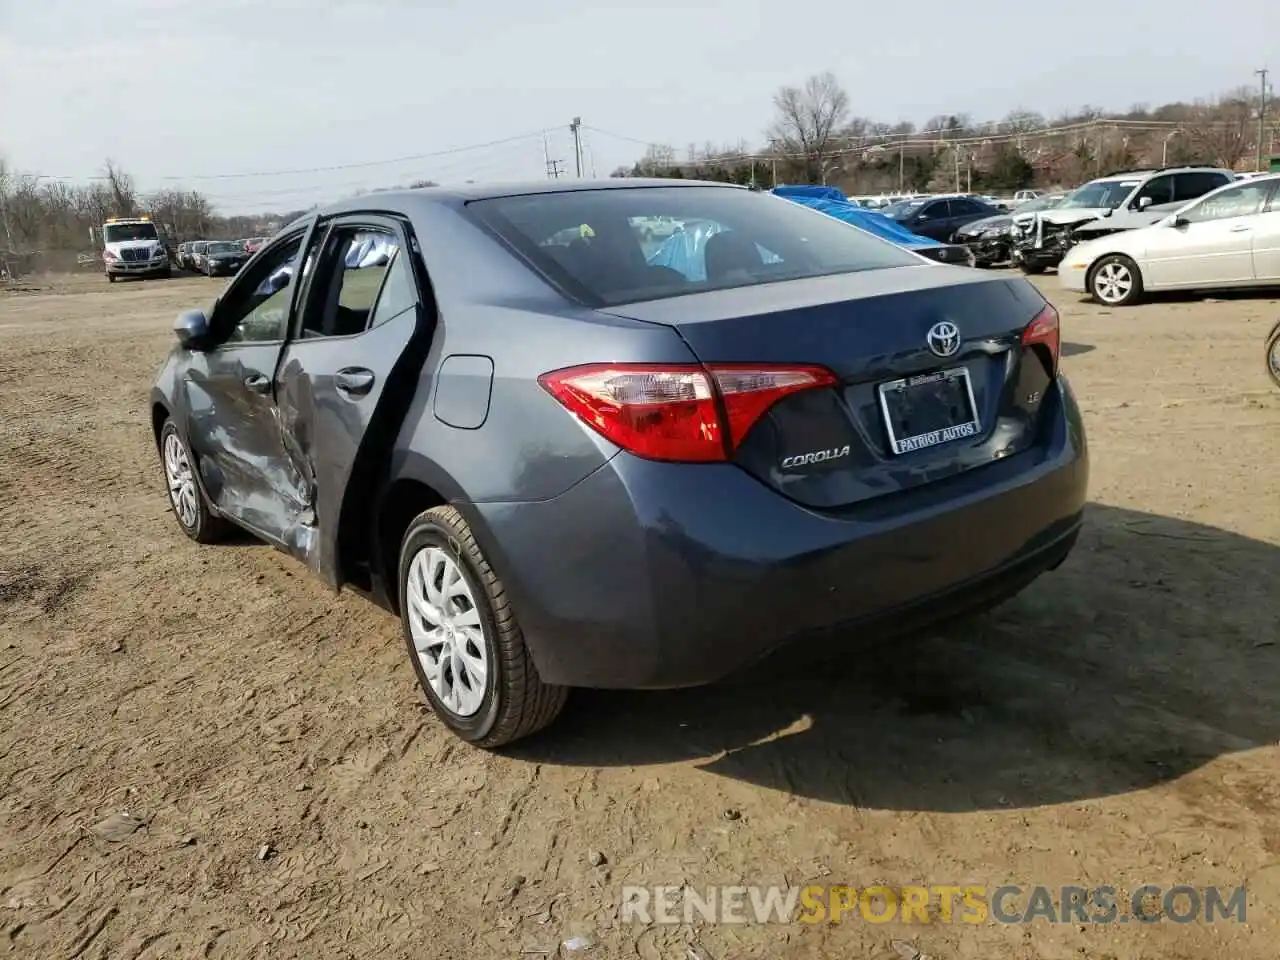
(943, 338)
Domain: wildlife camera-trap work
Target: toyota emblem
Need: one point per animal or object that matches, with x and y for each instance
(943, 338)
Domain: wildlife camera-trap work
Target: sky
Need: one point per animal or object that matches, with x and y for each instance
(278, 104)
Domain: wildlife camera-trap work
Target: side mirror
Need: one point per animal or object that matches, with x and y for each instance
(1107, 212)
(1179, 221)
(191, 328)
(1144, 202)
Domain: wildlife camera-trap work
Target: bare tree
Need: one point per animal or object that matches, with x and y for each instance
(123, 194)
(1022, 120)
(1225, 131)
(657, 160)
(807, 119)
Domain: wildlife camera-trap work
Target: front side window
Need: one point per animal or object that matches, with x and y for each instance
(260, 315)
(757, 238)
(1238, 201)
(1158, 189)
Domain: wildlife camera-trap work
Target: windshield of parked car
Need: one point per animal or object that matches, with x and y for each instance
(224, 247)
(592, 243)
(121, 232)
(903, 208)
(1104, 195)
(1031, 206)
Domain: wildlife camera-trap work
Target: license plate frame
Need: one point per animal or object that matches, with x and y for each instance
(929, 439)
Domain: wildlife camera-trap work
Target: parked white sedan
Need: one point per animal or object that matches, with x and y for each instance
(1227, 238)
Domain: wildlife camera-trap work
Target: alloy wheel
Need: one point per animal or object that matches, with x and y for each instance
(1113, 282)
(182, 482)
(447, 631)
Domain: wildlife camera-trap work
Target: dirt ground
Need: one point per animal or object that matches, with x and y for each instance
(1115, 724)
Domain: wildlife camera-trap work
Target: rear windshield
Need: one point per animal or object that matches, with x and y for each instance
(601, 245)
(225, 247)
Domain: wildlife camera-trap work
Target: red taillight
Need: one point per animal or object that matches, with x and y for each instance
(673, 411)
(1046, 331)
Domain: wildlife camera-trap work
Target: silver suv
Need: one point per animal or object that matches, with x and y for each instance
(1121, 201)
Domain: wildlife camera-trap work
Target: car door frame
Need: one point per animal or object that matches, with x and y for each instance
(222, 350)
(340, 517)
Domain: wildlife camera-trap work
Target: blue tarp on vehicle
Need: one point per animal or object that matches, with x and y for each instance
(884, 227)
(791, 191)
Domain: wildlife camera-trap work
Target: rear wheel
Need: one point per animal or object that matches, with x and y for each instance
(1273, 354)
(1115, 281)
(190, 508)
(464, 642)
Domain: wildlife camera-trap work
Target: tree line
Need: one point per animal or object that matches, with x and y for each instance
(51, 222)
(814, 137)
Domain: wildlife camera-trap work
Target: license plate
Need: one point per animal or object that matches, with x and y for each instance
(926, 410)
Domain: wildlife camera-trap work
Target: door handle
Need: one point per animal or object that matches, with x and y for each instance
(257, 383)
(1240, 228)
(354, 381)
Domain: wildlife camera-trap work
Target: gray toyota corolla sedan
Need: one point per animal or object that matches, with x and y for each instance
(563, 464)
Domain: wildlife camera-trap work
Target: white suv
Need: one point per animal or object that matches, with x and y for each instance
(1122, 201)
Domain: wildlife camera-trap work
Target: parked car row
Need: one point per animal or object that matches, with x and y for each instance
(216, 257)
(1226, 238)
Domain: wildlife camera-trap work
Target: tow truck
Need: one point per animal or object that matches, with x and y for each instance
(132, 247)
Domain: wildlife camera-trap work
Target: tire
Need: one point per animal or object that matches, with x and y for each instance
(512, 702)
(1273, 355)
(1115, 281)
(186, 498)
(1032, 269)
(111, 278)
(166, 273)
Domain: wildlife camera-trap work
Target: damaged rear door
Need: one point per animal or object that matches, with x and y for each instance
(348, 374)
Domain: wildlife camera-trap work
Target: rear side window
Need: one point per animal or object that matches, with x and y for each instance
(600, 246)
(1188, 186)
(358, 260)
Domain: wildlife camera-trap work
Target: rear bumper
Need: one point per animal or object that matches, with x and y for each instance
(649, 575)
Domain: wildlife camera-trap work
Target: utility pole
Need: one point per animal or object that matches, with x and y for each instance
(553, 169)
(773, 149)
(575, 128)
(902, 162)
(1262, 111)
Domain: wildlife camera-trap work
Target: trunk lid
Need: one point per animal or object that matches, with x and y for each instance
(833, 447)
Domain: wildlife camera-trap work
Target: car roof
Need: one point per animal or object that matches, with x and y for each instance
(455, 196)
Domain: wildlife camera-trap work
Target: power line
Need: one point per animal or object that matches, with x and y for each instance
(302, 171)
